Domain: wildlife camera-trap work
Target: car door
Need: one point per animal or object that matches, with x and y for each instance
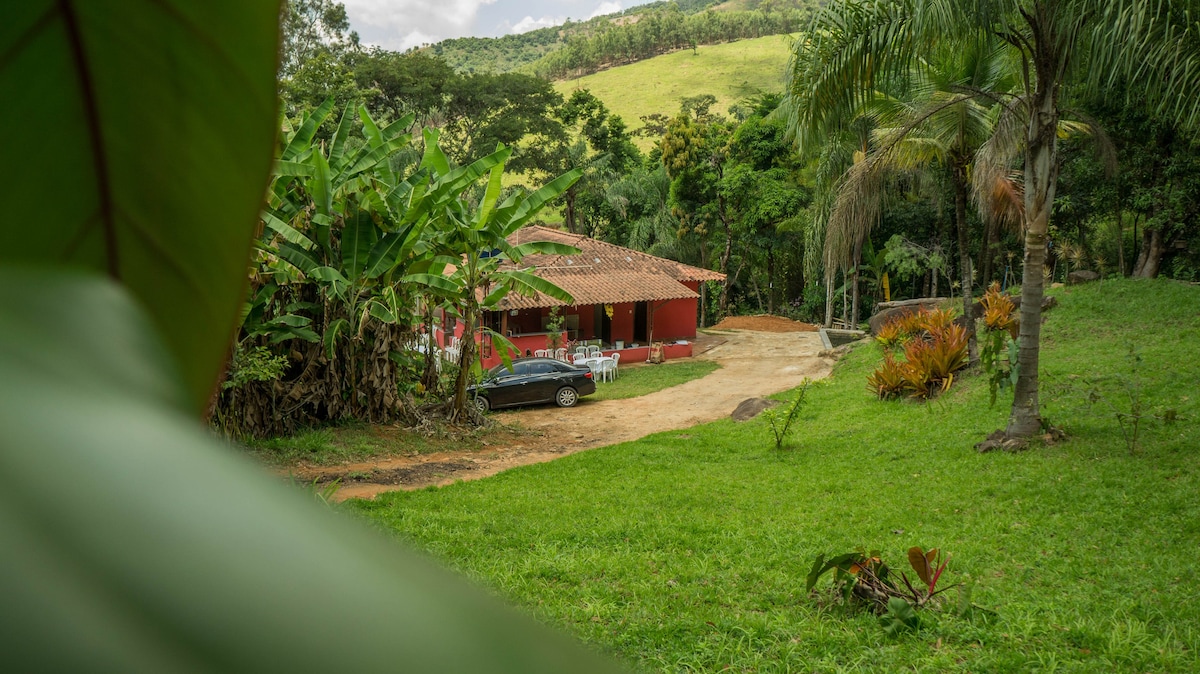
(508, 388)
(543, 381)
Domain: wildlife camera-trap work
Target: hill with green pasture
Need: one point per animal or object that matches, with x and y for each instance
(636, 33)
(730, 72)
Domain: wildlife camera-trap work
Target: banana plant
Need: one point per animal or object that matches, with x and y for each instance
(340, 227)
(475, 266)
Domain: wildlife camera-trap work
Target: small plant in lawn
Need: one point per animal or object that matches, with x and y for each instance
(1123, 396)
(934, 320)
(781, 420)
(889, 380)
(892, 334)
(322, 493)
(999, 351)
(930, 360)
(863, 577)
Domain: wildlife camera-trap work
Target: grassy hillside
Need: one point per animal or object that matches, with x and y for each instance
(730, 72)
(687, 550)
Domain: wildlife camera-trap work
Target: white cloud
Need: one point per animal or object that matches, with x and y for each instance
(400, 24)
(606, 8)
(529, 23)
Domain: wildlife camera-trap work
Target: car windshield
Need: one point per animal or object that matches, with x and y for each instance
(497, 371)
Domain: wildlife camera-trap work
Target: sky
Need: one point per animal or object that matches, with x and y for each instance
(401, 24)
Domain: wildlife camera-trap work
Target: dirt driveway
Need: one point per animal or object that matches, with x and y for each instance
(752, 363)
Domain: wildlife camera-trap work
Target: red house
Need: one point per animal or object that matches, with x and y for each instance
(623, 299)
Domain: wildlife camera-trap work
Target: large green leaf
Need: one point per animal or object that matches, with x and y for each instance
(527, 284)
(140, 138)
(358, 238)
(134, 541)
(303, 138)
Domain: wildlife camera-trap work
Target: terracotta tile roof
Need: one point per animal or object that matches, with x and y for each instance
(606, 256)
(603, 273)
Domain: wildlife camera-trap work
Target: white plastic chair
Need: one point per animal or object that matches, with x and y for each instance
(616, 360)
(560, 354)
(542, 353)
(606, 369)
(579, 358)
(593, 351)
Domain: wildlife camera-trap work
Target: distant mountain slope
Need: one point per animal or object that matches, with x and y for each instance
(615, 38)
(730, 71)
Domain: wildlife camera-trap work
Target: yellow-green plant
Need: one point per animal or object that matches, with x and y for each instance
(999, 352)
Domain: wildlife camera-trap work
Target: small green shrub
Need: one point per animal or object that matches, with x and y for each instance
(254, 364)
(781, 421)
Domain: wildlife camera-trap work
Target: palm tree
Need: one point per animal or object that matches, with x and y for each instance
(943, 116)
(1153, 46)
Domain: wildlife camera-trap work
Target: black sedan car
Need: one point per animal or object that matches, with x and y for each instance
(532, 381)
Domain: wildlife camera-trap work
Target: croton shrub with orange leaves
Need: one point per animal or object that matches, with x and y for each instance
(934, 347)
(998, 352)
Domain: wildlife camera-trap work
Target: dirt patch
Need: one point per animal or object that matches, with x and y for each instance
(753, 364)
(421, 473)
(764, 323)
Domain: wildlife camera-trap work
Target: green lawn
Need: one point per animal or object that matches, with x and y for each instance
(730, 71)
(639, 380)
(687, 550)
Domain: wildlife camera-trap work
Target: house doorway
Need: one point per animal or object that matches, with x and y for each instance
(640, 313)
(603, 325)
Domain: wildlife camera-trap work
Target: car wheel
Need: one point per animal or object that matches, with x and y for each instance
(482, 404)
(567, 397)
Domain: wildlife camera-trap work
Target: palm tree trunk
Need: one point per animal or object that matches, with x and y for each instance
(964, 259)
(1041, 176)
(829, 302)
(856, 294)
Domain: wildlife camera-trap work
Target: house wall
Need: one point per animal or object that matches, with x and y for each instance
(622, 322)
(587, 319)
(677, 318)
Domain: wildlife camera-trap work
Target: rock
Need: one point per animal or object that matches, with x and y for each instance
(889, 310)
(752, 407)
(886, 310)
(1081, 276)
(1048, 303)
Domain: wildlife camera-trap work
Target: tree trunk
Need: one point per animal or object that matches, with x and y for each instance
(1041, 178)
(829, 302)
(855, 292)
(770, 281)
(845, 301)
(1153, 249)
(964, 258)
(726, 255)
(569, 215)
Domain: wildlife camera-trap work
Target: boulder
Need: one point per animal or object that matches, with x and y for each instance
(752, 407)
(885, 311)
(1082, 276)
(1048, 303)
